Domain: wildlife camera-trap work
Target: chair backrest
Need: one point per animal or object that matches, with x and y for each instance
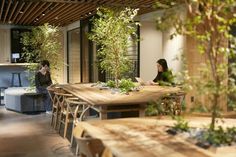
(107, 153)
(75, 107)
(90, 147)
(60, 98)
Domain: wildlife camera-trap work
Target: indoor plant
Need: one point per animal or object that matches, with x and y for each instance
(111, 31)
(40, 44)
(209, 23)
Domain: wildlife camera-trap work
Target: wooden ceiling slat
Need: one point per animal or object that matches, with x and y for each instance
(49, 15)
(26, 14)
(17, 12)
(41, 11)
(3, 2)
(32, 17)
(72, 17)
(6, 13)
(67, 11)
(13, 10)
(73, 9)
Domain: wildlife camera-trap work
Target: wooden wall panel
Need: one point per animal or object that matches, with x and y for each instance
(4, 45)
(194, 60)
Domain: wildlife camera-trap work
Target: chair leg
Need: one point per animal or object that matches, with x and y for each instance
(77, 150)
(66, 123)
(52, 119)
(72, 137)
(56, 119)
(60, 119)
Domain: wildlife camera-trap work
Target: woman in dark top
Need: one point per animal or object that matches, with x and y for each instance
(164, 76)
(42, 82)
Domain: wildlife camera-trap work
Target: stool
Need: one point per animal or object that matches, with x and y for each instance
(13, 80)
(2, 89)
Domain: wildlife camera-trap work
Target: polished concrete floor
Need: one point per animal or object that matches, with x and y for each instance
(24, 135)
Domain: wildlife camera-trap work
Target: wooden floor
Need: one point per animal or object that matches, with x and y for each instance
(24, 135)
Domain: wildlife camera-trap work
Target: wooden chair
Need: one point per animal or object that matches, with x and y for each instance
(87, 146)
(79, 114)
(60, 97)
(72, 109)
(90, 147)
(55, 104)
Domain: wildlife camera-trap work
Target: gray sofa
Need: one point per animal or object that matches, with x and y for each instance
(21, 99)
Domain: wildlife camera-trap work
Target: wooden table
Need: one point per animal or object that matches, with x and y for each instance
(140, 137)
(100, 100)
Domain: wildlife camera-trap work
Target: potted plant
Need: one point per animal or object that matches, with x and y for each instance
(111, 31)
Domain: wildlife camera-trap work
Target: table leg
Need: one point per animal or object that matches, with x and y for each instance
(142, 108)
(103, 113)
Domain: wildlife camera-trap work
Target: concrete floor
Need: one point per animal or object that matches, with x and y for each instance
(23, 135)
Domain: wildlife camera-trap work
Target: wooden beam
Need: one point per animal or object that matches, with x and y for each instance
(39, 14)
(60, 16)
(13, 10)
(65, 1)
(51, 13)
(73, 16)
(6, 13)
(3, 2)
(32, 17)
(24, 12)
(18, 11)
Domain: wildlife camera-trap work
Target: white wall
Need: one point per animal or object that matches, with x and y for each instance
(150, 50)
(172, 50)
(155, 44)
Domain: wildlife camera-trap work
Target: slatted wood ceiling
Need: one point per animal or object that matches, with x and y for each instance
(60, 12)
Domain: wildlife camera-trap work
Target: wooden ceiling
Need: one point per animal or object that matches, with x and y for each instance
(60, 12)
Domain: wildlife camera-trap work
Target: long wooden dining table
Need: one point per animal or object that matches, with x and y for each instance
(106, 100)
(141, 137)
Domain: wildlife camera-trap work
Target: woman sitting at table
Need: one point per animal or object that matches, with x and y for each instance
(42, 82)
(164, 75)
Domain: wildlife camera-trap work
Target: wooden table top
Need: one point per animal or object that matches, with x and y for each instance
(139, 137)
(95, 96)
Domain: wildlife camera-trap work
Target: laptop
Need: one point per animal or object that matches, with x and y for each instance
(139, 80)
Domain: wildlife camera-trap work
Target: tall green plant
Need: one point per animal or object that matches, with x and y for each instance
(40, 44)
(208, 22)
(111, 31)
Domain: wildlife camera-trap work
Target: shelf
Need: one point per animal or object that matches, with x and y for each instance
(14, 64)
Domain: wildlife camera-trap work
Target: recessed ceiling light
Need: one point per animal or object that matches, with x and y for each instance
(56, 18)
(43, 14)
(21, 12)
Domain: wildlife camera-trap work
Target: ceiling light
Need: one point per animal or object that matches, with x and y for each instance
(43, 14)
(56, 18)
(21, 12)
